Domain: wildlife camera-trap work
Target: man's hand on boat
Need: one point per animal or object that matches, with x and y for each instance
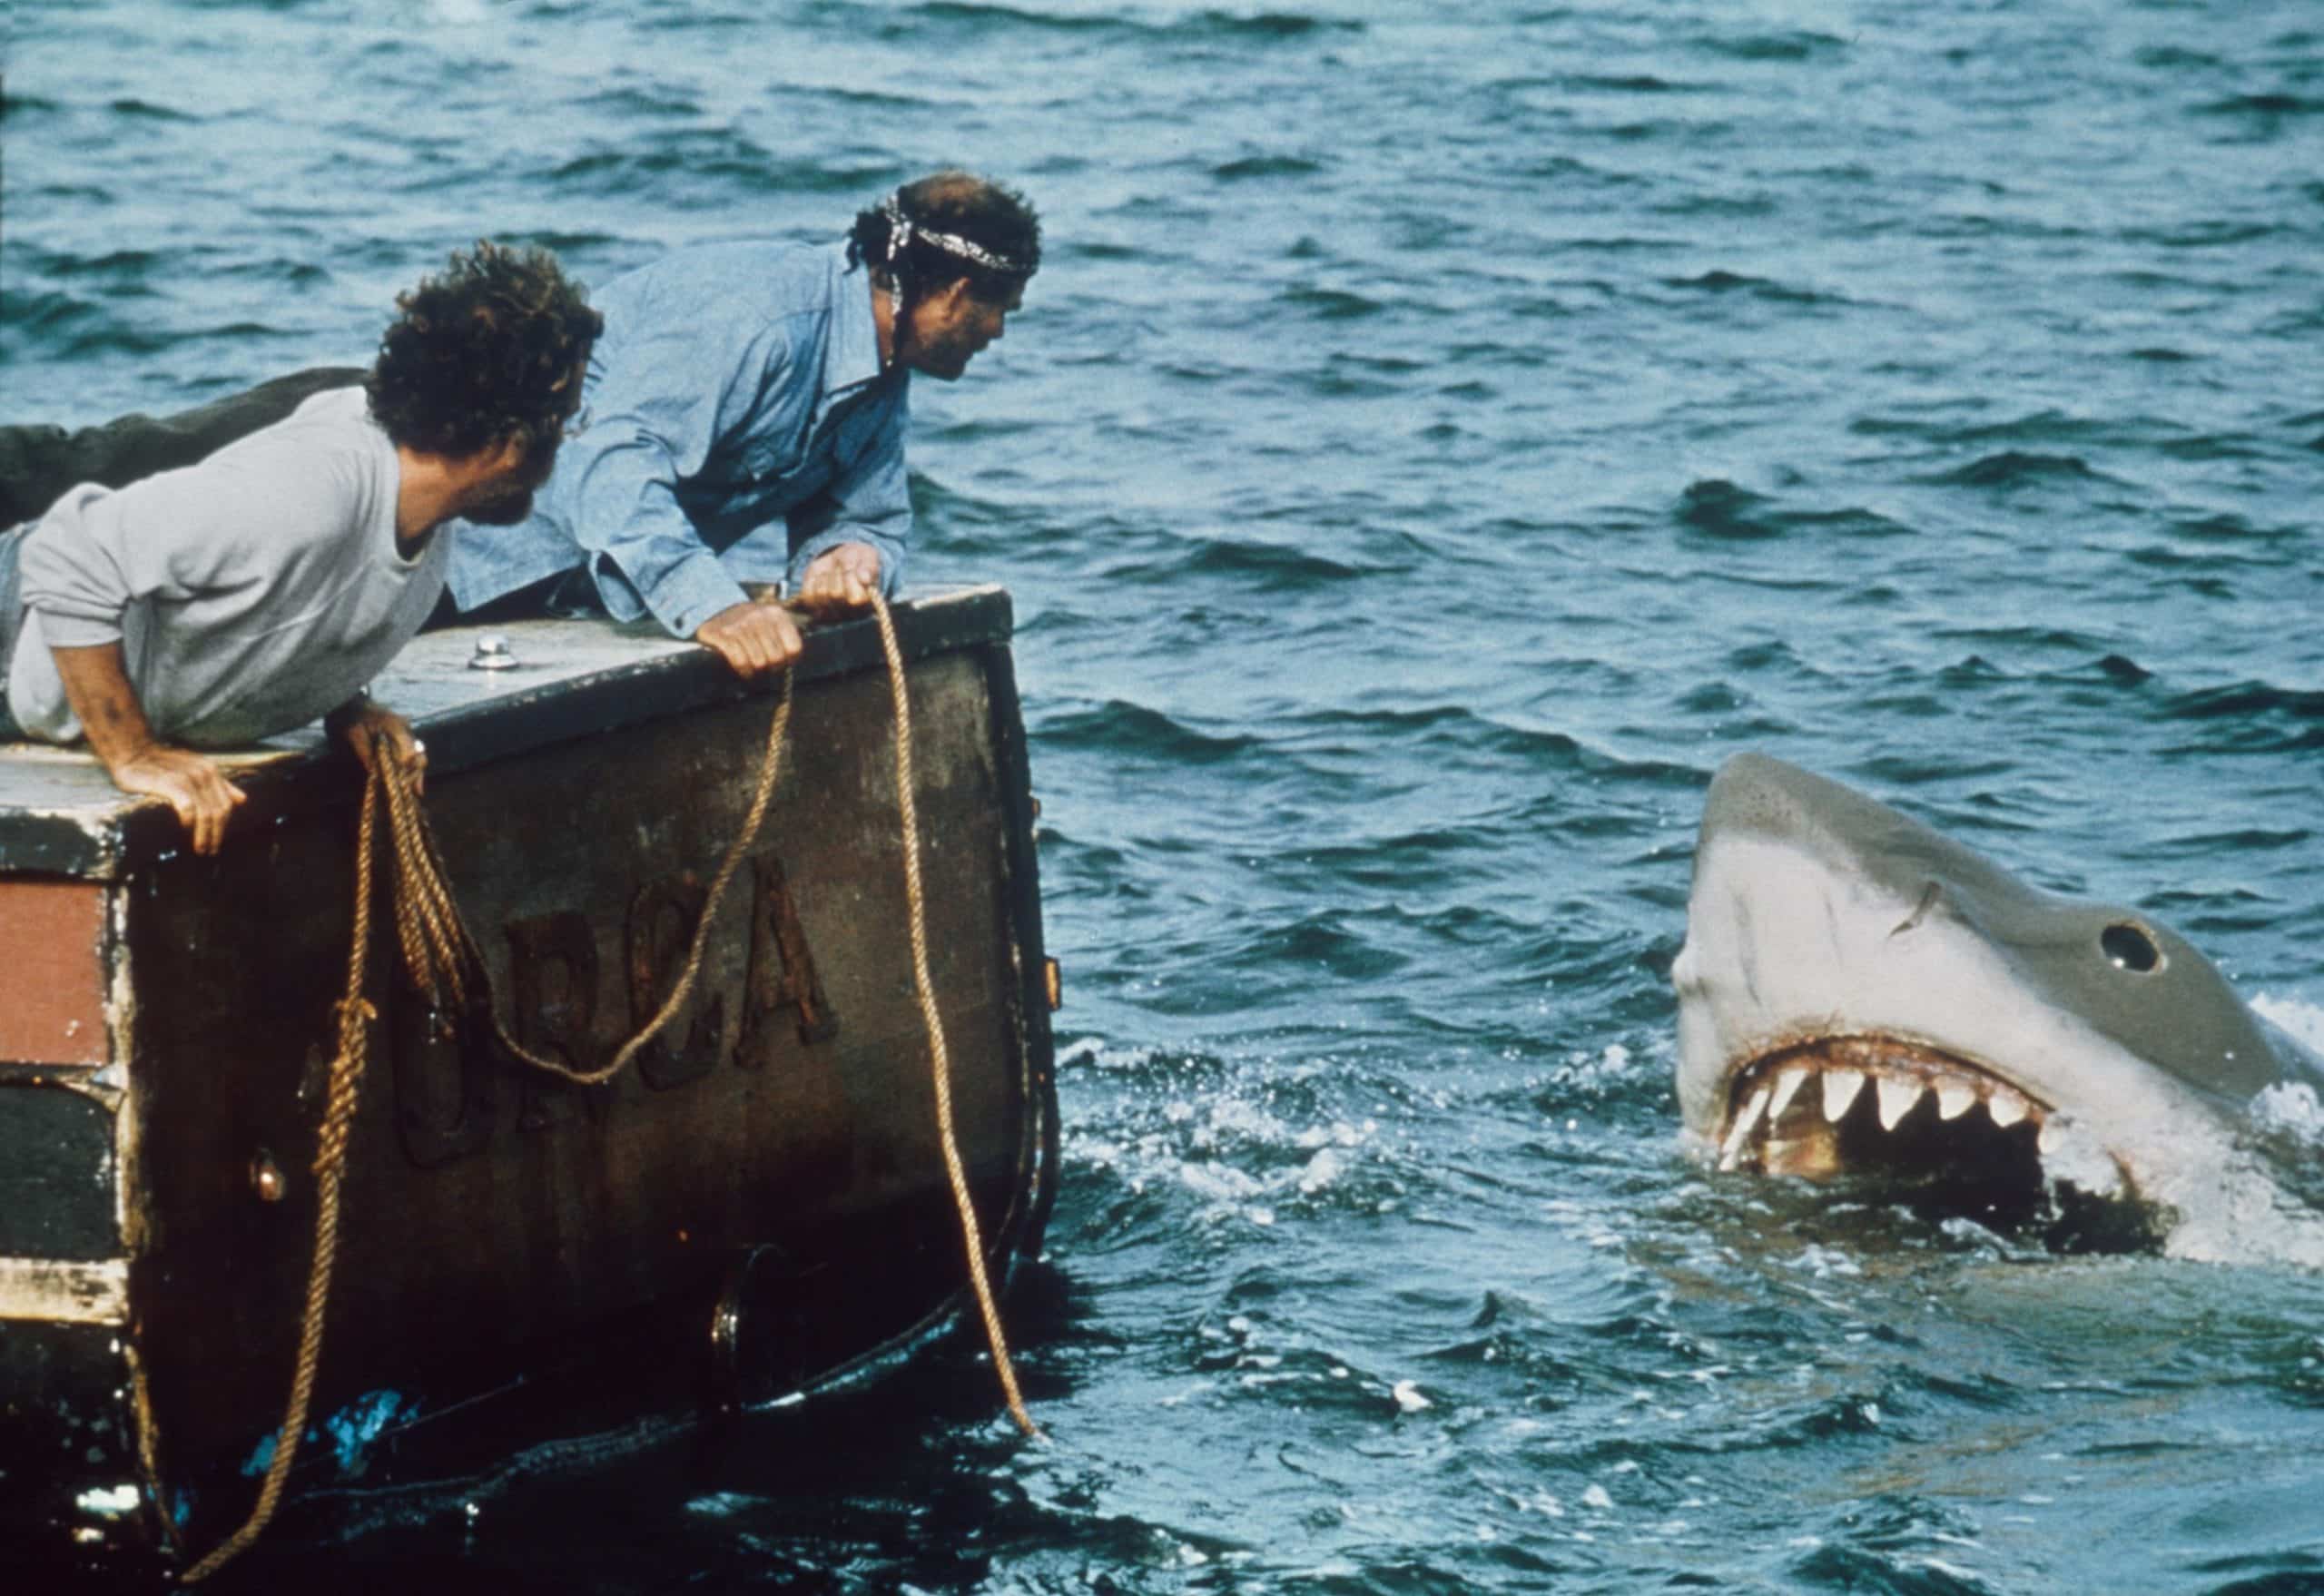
(840, 580)
(191, 784)
(758, 636)
(96, 684)
(754, 637)
(371, 727)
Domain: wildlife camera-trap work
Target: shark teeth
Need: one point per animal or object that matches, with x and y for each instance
(1802, 1111)
(1896, 1100)
(1787, 1085)
(1840, 1087)
(1774, 1128)
(1730, 1155)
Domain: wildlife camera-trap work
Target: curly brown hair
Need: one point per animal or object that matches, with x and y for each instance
(493, 348)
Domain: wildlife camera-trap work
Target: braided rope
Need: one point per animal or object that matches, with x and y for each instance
(924, 986)
(439, 948)
(355, 1015)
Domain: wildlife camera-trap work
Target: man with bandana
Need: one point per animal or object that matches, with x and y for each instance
(743, 424)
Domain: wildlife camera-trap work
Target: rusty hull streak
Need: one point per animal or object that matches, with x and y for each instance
(149, 1447)
(131, 1193)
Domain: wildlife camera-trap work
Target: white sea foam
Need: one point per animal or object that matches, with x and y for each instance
(1233, 1148)
(2302, 1020)
(2292, 1108)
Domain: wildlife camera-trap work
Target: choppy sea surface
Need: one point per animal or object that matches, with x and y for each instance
(1441, 435)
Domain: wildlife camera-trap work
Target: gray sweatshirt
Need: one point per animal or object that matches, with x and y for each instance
(250, 593)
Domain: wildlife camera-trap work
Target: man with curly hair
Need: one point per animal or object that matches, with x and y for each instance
(219, 603)
(745, 419)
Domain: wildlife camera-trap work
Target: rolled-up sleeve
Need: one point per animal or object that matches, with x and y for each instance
(77, 571)
(169, 538)
(654, 419)
(869, 502)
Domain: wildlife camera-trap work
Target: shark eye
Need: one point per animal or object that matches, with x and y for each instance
(2131, 949)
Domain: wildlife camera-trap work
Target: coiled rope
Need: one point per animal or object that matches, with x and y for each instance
(442, 956)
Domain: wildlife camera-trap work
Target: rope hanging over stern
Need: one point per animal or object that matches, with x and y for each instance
(445, 964)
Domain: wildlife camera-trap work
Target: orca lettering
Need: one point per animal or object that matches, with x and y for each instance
(782, 972)
(553, 966)
(447, 1069)
(662, 919)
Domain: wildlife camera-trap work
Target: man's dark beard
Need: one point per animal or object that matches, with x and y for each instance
(505, 507)
(945, 358)
(510, 499)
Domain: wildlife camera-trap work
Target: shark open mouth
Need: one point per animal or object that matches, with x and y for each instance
(1947, 1136)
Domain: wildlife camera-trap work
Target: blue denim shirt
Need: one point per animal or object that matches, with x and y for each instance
(735, 424)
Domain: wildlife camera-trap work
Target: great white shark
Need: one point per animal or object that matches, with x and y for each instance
(1861, 995)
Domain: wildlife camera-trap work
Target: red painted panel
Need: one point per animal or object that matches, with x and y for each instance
(52, 972)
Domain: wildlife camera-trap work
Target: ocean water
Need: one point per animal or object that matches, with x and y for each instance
(1441, 435)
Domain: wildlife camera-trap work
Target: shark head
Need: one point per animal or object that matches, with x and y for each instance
(1860, 995)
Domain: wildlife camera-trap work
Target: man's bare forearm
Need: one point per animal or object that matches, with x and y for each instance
(97, 686)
